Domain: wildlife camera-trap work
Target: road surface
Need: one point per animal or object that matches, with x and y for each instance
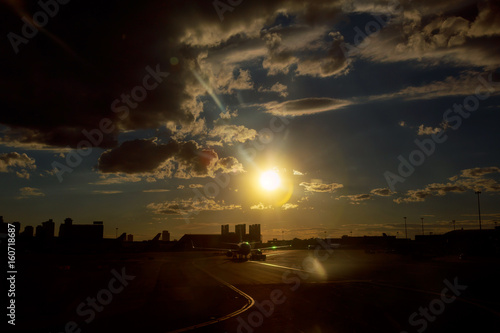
(292, 291)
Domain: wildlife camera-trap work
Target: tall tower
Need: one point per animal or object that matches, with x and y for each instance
(48, 228)
(254, 232)
(165, 236)
(240, 231)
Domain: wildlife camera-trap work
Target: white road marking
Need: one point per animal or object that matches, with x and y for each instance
(250, 303)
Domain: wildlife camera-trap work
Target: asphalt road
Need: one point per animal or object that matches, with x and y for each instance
(293, 291)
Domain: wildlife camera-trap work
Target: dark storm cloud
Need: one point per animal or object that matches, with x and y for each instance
(49, 96)
(91, 55)
(66, 78)
(180, 159)
(138, 156)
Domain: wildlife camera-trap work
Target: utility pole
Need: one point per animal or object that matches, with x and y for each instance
(478, 208)
(422, 225)
(406, 230)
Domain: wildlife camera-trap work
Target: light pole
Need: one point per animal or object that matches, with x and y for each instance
(422, 225)
(406, 230)
(478, 208)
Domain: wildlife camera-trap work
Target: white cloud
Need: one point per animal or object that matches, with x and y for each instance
(435, 39)
(26, 192)
(278, 88)
(107, 192)
(467, 83)
(427, 130)
(468, 180)
(21, 164)
(305, 106)
(383, 192)
(232, 133)
(288, 206)
(355, 198)
(187, 206)
(320, 187)
(261, 206)
(116, 179)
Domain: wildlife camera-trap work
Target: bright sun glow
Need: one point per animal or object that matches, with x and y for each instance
(270, 180)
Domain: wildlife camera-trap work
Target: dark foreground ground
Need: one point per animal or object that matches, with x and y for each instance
(293, 291)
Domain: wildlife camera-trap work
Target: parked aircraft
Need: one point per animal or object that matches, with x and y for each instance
(241, 250)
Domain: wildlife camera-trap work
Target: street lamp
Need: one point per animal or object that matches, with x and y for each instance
(406, 230)
(478, 208)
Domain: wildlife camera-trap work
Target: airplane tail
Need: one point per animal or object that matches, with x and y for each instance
(122, 237)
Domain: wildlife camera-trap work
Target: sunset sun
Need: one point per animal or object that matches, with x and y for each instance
(270, 180)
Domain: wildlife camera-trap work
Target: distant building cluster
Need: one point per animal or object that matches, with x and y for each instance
(81, 238)
(240, 233)
(67, 230)
(81, 232)
(215, 240)
(90, 237)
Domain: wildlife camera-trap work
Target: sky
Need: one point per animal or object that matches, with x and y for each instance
(164, 115)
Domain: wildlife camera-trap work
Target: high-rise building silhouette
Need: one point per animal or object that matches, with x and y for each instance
(254, 232)
(17, 226)
(28, 231)
(240, 230)
(130, 238)
(165, 236)
(3, 226)
(81, 232)
(46, 230)
(224, 229)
